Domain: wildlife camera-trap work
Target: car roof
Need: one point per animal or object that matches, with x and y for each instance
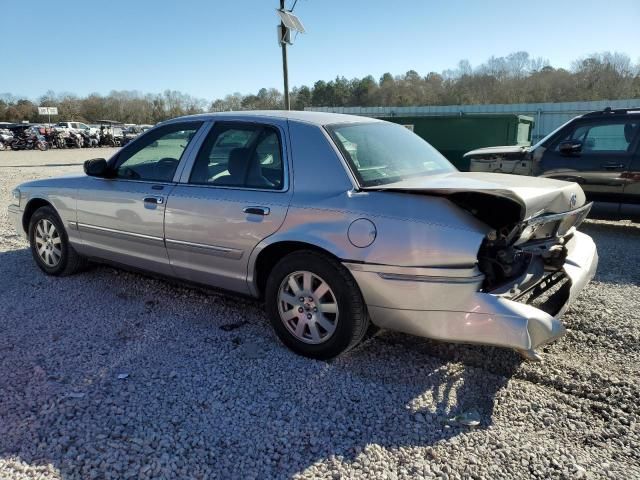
(316, 118)
(611, 113)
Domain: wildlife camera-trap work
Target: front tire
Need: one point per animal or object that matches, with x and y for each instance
(315, 305)
(50, 245)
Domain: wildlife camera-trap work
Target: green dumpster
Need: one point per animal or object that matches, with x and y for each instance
(454, 136)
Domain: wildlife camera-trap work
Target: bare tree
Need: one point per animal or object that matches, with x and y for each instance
(516, 78)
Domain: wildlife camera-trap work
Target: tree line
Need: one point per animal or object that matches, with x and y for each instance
(516, 78)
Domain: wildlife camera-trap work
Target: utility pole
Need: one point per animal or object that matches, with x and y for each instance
(288, 23)
(285, 68)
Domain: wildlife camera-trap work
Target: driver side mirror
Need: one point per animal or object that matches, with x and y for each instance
(96, 167)
(571, 147)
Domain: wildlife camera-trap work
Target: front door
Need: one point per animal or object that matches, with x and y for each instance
(630, 205)
(235, 195)
(121, 218)
(604, 156)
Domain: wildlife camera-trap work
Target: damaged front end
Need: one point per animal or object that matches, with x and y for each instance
(533, 267)
(528, 257)
(526, 262)
(531, 264)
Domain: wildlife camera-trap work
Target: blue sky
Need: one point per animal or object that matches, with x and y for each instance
(209, 48)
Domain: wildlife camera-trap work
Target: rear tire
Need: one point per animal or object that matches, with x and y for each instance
(50, 245)
(315, 305)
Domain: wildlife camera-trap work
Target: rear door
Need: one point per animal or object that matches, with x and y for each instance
(599, 167)
(234, 195)
(122, 218)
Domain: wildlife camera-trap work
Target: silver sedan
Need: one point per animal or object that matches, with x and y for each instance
(341, 224)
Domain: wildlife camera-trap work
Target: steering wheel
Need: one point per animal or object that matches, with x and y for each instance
(165, 168)
(130, 173)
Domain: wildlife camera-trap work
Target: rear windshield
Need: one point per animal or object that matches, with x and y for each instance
(380, 152)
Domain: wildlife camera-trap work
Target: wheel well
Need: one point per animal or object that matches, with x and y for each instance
(30, 209)
(272, 254)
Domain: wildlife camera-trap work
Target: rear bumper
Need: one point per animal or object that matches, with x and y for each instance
(449, 306)
(15, 217)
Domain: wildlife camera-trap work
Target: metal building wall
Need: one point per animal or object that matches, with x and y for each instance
(548, 116)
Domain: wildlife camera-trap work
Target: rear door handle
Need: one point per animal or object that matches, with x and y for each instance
(154, 200)
(612, 166)
(257, 210)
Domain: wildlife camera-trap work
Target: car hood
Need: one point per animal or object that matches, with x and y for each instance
(511, 151)
(534, 195)
(66, 180)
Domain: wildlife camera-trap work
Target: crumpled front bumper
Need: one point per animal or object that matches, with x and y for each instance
(445, 304)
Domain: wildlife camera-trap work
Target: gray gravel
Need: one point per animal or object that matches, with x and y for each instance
(109, 374)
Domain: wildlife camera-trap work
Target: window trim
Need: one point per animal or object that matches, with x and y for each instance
(115, 162)
(186, 172)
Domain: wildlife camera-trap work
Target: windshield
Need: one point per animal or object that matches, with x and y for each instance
(381, 152)
(543, 140)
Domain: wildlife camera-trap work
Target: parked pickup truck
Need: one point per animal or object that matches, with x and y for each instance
(77, 126)
(598, 150)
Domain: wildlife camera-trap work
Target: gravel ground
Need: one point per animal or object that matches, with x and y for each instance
(109, 374)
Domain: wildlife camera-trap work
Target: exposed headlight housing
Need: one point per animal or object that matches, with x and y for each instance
(15, 193)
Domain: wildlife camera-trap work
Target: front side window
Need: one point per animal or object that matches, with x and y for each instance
(155, 157)
(240, 155)
(380, 153)
(603, 137)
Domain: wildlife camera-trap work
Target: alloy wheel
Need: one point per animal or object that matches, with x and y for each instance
(48, 243)
(308, 307)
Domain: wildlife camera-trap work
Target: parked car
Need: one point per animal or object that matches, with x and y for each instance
(599, 150)
(338, 222)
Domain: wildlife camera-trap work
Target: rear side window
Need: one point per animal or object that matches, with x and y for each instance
(240, 155)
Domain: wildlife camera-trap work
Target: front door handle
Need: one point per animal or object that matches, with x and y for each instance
(612, 166)
(154, 200)
(257, 210)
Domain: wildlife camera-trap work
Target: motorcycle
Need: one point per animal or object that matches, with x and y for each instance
(74, 138)
(107, 139)
(95, 139)
(49, 136)
(28, 139)
(89, 140)
(58, 139)
(86, 138)
(6, 138)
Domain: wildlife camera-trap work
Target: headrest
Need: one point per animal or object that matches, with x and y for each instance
(629, 131)
(238, 159)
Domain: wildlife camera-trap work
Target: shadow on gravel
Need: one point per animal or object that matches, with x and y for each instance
(109, 374)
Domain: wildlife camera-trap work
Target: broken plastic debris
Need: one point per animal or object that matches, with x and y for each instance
(76, 395)
(468, 419)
